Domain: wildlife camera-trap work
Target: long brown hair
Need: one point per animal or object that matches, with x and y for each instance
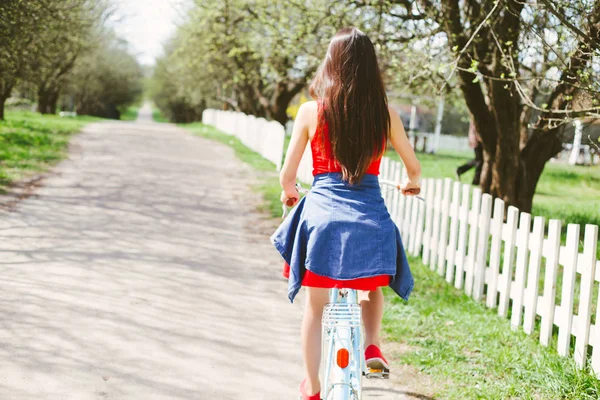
(353, 102)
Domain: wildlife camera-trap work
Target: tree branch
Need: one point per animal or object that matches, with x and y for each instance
(594, 42)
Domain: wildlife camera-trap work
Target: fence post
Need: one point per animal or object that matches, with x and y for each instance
(472, 249)
(587, 264)
(463, 220)
(548, 300)
(436, 223)
(536, 241)
(480, 264)
(385, 174)
(509, 235)
(409, 202)
(494, 271)
(401, 202)
(443, 243)
(413, 225)
(416, 248)
(564, 314)
(428, 220)
(396, 173)
(451, 251)
(521, 270)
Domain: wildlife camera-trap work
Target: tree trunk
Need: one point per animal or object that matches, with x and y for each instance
(52, 102)
(541, 147)
(519, 187)
(47, 99)
(2, 101)
(42, 106)
(5, 90)
(278, 111)
(280, 101)
(486, 171)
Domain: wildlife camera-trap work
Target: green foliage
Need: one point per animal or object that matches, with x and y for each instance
(251, 56)
(130, 113)
(106, 79)
(30, 143)
(158, 117)
(50, 47)
(173, 91)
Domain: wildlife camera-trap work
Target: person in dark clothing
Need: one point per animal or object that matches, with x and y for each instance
(477, 162)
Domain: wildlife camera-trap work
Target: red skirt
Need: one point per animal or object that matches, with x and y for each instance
(314, 280)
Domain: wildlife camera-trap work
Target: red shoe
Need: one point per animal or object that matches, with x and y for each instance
(304, 396)
(376, 362)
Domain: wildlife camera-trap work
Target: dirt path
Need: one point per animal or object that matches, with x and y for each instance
(133, 273)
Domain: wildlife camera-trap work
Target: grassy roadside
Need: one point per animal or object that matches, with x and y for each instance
(158, 117)
(130, 114)
(31, 142)
(467, 350)
(471, 353)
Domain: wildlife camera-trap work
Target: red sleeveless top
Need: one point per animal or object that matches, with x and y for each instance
(323, 162)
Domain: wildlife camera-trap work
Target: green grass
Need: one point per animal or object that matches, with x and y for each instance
(471, 353)
(130, 114)
(30, 143)
(569, 193)
(158, 117)
(268, 184)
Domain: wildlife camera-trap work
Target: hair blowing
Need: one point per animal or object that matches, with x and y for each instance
(353, 102)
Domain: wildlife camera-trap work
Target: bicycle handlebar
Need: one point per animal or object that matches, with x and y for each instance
(290, 202)
(396, 186)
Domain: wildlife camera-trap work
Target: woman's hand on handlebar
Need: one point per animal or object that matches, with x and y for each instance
(290, 197)
(410, 188)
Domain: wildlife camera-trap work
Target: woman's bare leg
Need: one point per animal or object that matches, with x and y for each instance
(316, 298)
(372, 314)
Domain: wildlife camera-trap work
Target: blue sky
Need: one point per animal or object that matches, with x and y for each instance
(146, 24)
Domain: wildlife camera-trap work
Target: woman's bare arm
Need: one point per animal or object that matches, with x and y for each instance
(401, 144)
(298, 141)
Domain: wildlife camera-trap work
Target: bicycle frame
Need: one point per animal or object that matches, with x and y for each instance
(343, 348)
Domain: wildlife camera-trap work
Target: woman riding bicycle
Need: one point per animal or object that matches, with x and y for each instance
(341, 234)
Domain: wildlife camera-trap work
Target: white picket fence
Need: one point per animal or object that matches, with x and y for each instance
(430, 143)
(462, 234)
(264, 137)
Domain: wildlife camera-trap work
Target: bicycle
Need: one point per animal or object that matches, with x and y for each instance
(343, 358)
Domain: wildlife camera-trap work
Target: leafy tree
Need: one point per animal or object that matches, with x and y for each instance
(105, 80)
(21, 23)
(524, 68)
(43, 42)
(254, 56)
(179, 99)
(69, 33)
